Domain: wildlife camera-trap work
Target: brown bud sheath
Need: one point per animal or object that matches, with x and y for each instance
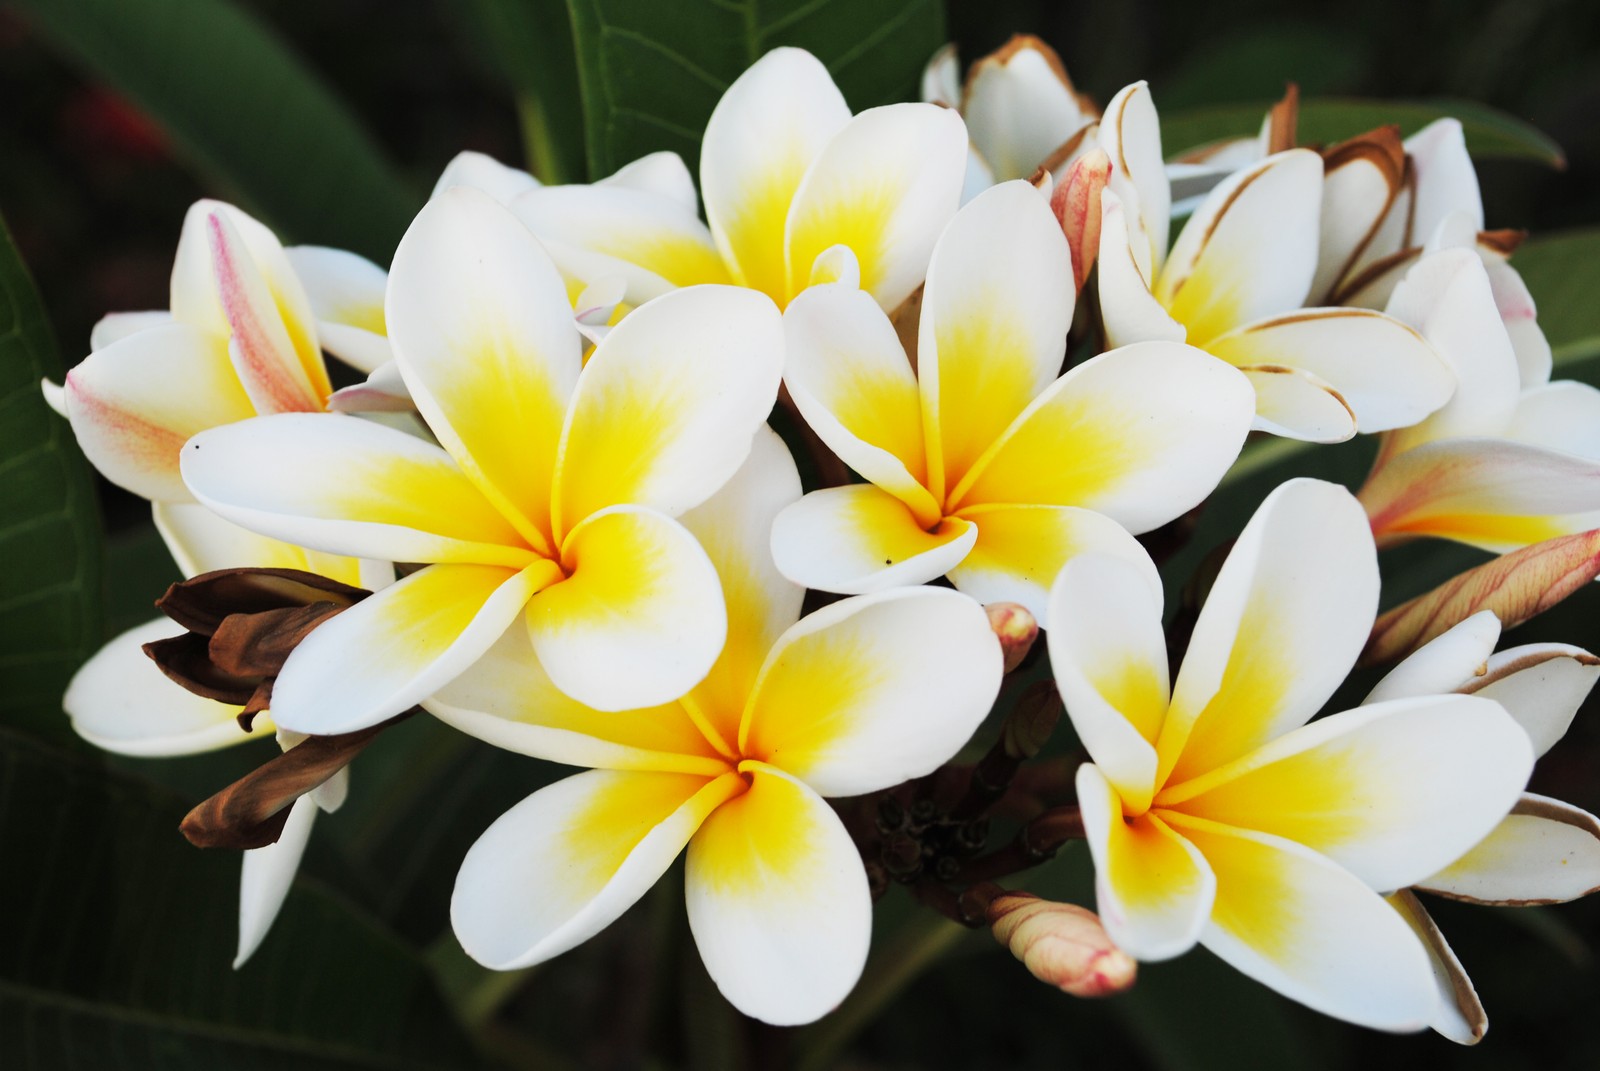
(250, 812)
(1061, 944)
(1016, 629)
(1076, 202)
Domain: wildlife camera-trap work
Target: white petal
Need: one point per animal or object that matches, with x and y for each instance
(1129, 310)
(1564, 415)
(1445, 179)
(1543, 852)
(122, 702)
(1460, 1015)
(778, 901)
(485, 173)
(1299, 405)
(663, 174)
(267, 875)
(858, 539)
(1541, 685)
(560, 866)
(873, 691)
(1020, 106)
(116, 326)
(1444, 663)
(1130, 133)
(346, 294)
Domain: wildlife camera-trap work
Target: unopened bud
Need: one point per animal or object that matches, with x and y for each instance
(1076, 202)
(1061, 944)
(1016, 629)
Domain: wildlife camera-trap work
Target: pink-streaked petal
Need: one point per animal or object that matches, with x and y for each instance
(764, 134)
(266, 876)
(1299, 405)
(1490, 493)
(400, 645)
(885, 185)
(735, 528)
(1391, 791)
(563, 864)
(1445, 179)
(1541, 685)
(116, 326)
(1110, 661)
(1019, 107)
(661, 174)
(1153, 889)
(598, 231)
(1298, 923)
(872, 691)
(1446, 296)
(1285, 619)
(348, 486)
(639, 618)
(1129, 310)
(484, 172)
(484, 338)
(1020, 549)
(1141, 434)
(666, 408)
(1445, 663)
(273, 336)
(1543, 852)
(134, 403)
(848, 375)
(1383, 371)
(995, 313)
(1130, 133)
(858, 539)
(1249, 250)
(778, 901)
(120, 701)
(346, 293)
(1459, 1015)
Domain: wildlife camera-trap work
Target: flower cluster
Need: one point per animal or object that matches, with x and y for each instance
(553, 516)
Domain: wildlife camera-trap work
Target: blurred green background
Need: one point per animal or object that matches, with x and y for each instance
(331, 120)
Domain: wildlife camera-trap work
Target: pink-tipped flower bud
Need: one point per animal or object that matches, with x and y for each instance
(1062, 944)
(1016, 629)
(1076, 202)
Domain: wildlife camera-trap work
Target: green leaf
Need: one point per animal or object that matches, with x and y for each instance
(116, 939)
(651, 73)
(244, 110)
(529, 43)
(49, 524)
(1563, 272)
(1491, 134)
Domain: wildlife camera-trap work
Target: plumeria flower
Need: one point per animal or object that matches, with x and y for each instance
(856, 697)
(787, 174)
(985, 463)
(550, 498)
(1216, 815)
(1020, 107)
(1506, 463)
(1545, 851)
(1234, 285)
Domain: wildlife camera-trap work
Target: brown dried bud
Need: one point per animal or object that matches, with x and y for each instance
(250, 813)
(243, 624)
(1061, 944)
(1016, 629)
(1076, 202)
(1029, 725)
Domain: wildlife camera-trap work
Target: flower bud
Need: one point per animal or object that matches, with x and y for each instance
(1062, 944)
(1076, 202)
(1016, 629)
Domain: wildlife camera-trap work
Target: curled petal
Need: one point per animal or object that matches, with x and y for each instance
(267, 874)
(1452, 660)
(1460, 1015)
(1543, 852)
(1541, 685)
(1299, 405)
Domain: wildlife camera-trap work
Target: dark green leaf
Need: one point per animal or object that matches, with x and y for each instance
(1490, 133)
(49, 525)
(651, 73)
(115, 946)
(244, 110)
(530, 44)
(1563, 273)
